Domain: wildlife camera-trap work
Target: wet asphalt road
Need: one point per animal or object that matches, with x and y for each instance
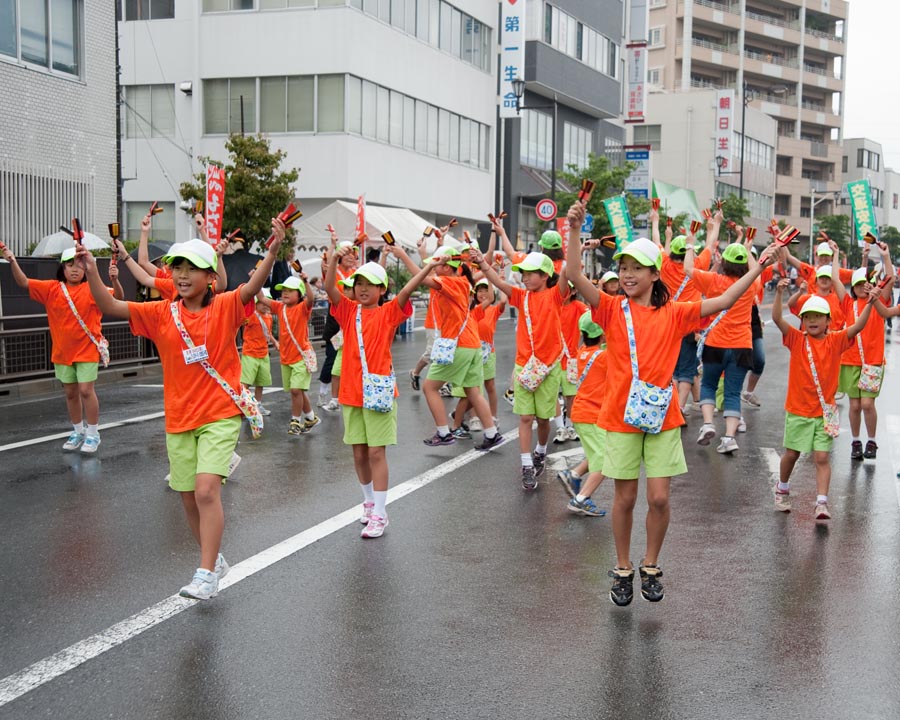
(479, 602)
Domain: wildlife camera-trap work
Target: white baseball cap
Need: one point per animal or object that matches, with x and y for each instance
(859, 275)
(371, 271)
(824, 248)
(824, 271)
(197, 251)
(644, 251)
(816, 304)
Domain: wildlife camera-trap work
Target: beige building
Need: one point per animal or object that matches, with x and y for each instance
(787, 56)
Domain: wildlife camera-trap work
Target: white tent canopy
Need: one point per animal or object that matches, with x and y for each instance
(313, 237)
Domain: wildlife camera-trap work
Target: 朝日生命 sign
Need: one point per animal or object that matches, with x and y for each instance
(724, 127)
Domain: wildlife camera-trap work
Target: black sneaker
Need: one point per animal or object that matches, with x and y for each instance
(539, 460)
(871, 450)
(438, 440)
(651, 587)
(529, 479)
(487, 443)
(622, 590)
(856, 451)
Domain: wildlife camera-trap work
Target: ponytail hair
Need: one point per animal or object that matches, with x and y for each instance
(465, 270)
(659, 295)
(553, 280)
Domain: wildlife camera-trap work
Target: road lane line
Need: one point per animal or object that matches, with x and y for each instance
(53, 666)
(773, 460)
(60, 436)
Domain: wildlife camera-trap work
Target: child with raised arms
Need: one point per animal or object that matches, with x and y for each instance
(538, 351)
(256, 369)
(643, 336)
(77, 340)
(569, 315)
(201, 384)
(811, 420)
(368, 387)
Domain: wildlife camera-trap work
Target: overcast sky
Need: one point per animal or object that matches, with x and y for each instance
(872, 102)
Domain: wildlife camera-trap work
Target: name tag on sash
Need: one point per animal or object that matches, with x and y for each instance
(195, 354)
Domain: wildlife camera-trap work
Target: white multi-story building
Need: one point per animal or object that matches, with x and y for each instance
(57, 117)
(394, 99)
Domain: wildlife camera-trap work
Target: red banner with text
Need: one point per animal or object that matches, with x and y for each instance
(215, 202)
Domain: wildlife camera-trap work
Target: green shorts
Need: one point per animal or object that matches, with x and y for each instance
(295, 377)
(80, 372)
(542, 402)
(369, 427)
(256, 372)
(568, 389)
(805, 434)
(489, 369)
(593, 440)
(663, 454)
(849, 382)
(206, 449)
(465, 370)
(336, 368)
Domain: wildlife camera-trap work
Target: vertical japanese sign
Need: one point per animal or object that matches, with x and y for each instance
(638, 183)
(724, 127)
(215, 202)
(512, 53)
(360, 216)
(863, 212)
(619, 220)
(636, 55)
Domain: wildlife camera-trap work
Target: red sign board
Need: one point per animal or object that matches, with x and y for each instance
(215, 202)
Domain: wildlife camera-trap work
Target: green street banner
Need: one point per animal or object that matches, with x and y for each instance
(863, 212)
(619, 220)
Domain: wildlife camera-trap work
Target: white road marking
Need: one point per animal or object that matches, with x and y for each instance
(60, 436)
(558, 460)
(773, 460)
(43, 671)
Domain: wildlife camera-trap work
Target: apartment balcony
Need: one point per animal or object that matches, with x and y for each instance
(818, 77)
(833, 8)
(819, 152)
(775, 107)
(824, 42)
(717, 13)
(771, 66)
(717, 54)
(787, 31)
(816, 114)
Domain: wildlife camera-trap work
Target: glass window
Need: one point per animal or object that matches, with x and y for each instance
(454, 137)
(432, 130)
(354, 104)
(242, 105)
(485, 147)
(152, 9)
(163, 224)
(34, 32)
(162, 110)
(300, 103)
(411, 17)
(370, 7)
(8, 42)
(396, 119)
(446, 31)
(383, 117)
(331, 103)
(571, 47)
(398, 14)
(443, 134)
(470, 40)
(486, 49)
(455, 32)
(465, 139)
(161, 9)
(215, 107)
(409, 122)
(66, 36)
(434, 22)
(548, 24)
(384, 10)
(421, 126)
(369, 108)
(272, 104)
(422, 19)
(137, 111)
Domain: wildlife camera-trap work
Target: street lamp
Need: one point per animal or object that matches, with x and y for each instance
(518, 86)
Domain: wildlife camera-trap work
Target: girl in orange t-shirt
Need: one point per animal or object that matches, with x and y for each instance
(201, 376)
(871, 339)
(75, 355)
(569, 315)
(368, 430)
(658, 327)
(255, 366)
(330, 375)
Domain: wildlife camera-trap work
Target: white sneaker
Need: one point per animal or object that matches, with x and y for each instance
(707, 433)
(375, 527)
(263, 410)
(222, 568)
(727, 445)
(562, 435)
(74, 442)
(475, 423)
(232, 466)
(572, 433)
(686, 410)
(90, 444)
(368, 507)
(322, 400)
(742, 426)
(750, 398)
(332, 405)
(203, 586)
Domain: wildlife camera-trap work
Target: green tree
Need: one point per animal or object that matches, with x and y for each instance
(891, 236)
(608, 181)
(256, 188)
(837, 227)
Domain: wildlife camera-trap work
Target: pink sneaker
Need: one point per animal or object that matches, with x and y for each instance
(375, 527)
(367, 512)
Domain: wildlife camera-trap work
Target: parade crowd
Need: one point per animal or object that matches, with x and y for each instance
(614, 361)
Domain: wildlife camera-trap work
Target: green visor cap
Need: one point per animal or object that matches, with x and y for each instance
(644, 251)
(551, 240)
(535, 262)
(292, 283)
(199, 253)
(587, 325)
(735, 253)
(679, 245)
(371, 271)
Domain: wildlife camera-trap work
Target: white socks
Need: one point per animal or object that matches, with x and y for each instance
(821, 499)
(540, 448)
(368, 492)
(380, 503)
(443, 430)
(526, 460)
(93, 430)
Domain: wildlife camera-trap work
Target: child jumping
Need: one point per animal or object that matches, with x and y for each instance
(811, 416)
(201, 384)
(643, 334)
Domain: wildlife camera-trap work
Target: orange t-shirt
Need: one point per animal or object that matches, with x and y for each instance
(544, 307)
(672, 274)
(807, 273)
(70, 342)
(568, 322)
(165, 286)
(298, 317)
(163, 273)
(430, 312)
(657, 335)
(733, 330)
(379, 324)
(801, 398)
(837, 310)
(256, 344)
(872, 335)
(592, 391)
(487, 321)
(191, 397)
(451, 309)
(764, 277)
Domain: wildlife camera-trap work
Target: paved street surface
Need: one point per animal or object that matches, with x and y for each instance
(479, 602)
